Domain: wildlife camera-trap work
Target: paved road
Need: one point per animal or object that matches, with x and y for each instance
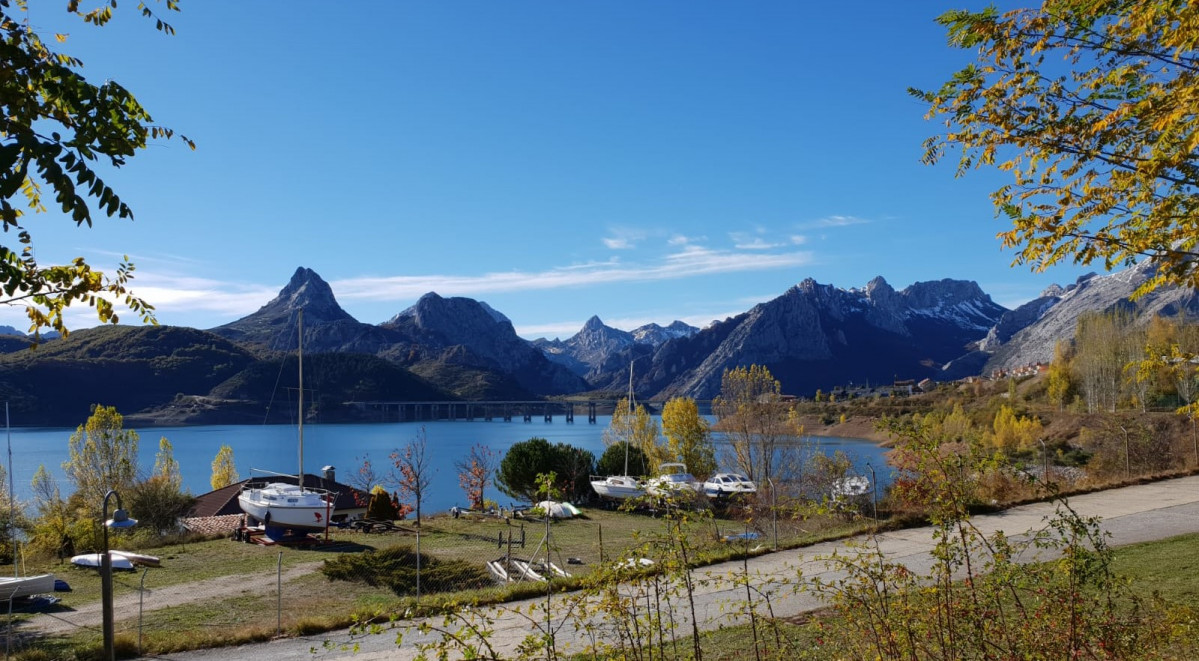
(1132, 514)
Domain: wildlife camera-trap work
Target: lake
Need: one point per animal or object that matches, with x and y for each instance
(274, 448)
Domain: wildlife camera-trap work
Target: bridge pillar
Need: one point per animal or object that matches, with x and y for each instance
(570, 413)
(549, 415)
(507, 413)
(591, 412)
(525, 412)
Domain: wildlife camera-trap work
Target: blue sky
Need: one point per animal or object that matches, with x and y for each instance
(640, 161)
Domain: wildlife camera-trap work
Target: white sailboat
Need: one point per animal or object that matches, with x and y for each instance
(621, 487)
(285, 505)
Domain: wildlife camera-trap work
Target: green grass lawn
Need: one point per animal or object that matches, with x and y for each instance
(311, 603)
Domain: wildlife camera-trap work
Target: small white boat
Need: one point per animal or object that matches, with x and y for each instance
(16, 587)
(848, 487)
(618, 487)
(723, 485)
(93, 560)
(139, 558)
(673, 480)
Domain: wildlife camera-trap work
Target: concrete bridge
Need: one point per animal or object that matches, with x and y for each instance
(506, 411)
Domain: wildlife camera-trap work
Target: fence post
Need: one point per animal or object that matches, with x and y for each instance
(601, 541)
(774, 511)
(279, 596)
(418, 564)
(141, 600)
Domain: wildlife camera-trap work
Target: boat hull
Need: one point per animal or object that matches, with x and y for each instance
(618, 487)
(25, 586)
(280, 505)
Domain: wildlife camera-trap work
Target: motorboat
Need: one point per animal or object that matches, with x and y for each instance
(16, 587)
(722, 485)
(285, 505)
(673, 479)
(618, 487)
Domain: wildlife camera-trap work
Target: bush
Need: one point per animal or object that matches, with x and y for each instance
(394, 567)
(612, 461)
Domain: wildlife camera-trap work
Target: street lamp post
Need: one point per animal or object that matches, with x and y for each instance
(120, 519)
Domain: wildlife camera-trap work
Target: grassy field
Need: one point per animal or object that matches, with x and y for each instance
(231, 595)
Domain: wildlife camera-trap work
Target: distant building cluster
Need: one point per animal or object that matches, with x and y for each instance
(1019, 372)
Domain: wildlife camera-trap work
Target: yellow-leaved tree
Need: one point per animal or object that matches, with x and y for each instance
(762, 429)
(103, 456)
(1091, 108)
(688, 436)
(224, 471)
(1014, 432)
(635, 426)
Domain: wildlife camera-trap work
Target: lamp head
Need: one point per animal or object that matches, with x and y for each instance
(120, 519)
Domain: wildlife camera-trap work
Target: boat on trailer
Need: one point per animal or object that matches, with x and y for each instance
(281, 505)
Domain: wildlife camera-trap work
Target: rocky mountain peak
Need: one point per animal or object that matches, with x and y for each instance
(306, 290)
(593, 324)
(1053, 291)
(451, 316)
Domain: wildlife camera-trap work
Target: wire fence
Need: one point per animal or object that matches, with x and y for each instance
(208, 592)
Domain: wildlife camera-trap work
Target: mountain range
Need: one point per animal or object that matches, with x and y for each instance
(444, 348)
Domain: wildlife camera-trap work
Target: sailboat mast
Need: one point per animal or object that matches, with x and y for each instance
(628, 441)
(300, 354)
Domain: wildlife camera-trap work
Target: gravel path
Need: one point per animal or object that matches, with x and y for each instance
(89, 615)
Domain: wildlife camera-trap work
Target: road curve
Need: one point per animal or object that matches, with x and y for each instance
(1130, 515)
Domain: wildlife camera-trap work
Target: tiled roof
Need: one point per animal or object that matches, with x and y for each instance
(223, 501)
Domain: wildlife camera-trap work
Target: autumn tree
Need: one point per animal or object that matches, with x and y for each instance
(165, 465)
(476, 472)
(1013, 432)
(224, 471)
(633, 424)
(1059, 383)
(366, 479)
(1101, 352)
(1089, 107)
(159, 500)
(55, 523)
(103, 456)
(688, 436)
(58, 127)
(413, 472)
(761, 428)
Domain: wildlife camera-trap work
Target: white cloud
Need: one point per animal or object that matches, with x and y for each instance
(623, 238)
(689, 262)
(798, 239)
(838, 221)
(757, 243)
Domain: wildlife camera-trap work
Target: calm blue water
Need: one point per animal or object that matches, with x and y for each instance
(274, 447)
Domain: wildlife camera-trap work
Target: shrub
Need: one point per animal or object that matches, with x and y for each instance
(394, 567)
